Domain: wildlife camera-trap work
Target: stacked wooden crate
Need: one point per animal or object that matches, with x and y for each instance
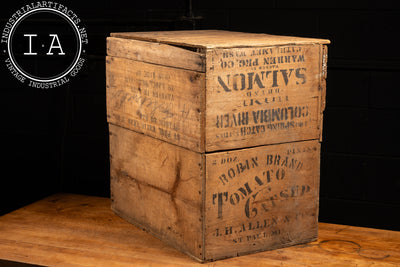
(215, 137)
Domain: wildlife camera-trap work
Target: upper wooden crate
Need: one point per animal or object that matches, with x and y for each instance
(216, 90)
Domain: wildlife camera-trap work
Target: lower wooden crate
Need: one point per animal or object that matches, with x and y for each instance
(216, 205)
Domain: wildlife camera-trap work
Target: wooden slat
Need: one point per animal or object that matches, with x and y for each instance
(156, 53)
(76, 230)
(216, 38)
(322, 85)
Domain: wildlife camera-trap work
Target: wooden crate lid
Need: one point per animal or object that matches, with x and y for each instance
(217, 39)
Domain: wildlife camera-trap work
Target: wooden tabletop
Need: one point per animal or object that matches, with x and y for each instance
(77, 230)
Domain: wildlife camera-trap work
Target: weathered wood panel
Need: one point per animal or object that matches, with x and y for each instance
(217, 38)
(78, 230)
(322, 86)
(158, 186)
(261, 198)
(263, 95)
(156, 53)
(163, 102)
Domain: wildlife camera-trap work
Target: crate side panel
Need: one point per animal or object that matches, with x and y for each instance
(161, 54)
(159, 101)
(261, 198)
(257, 96)
(157, 186)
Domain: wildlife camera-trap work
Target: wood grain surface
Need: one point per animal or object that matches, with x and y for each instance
(158, 186)
(274, 94)
(156, 53)
(162, 102)
(216, 38)
(77, 230)
(261, 198)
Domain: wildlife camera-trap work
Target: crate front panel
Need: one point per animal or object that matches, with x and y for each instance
(263, 95)
(261, 198)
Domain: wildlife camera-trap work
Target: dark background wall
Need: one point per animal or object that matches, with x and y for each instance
(56, 140)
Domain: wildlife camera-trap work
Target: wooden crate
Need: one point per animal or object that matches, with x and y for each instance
(216, 90)
(214, 138)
